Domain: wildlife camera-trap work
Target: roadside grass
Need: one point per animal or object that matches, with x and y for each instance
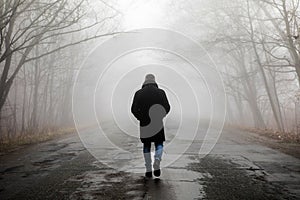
(287, 142)
(286, 137)
(280, 137)
(10, 143)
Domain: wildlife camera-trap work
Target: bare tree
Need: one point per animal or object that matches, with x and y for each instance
(284, 16)
(28, 24)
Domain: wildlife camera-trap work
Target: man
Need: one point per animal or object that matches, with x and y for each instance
(150, 105)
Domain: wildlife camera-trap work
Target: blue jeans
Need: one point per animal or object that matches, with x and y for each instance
(147, 154)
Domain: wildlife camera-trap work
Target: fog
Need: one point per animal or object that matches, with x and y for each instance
(81, 117)
(232, 63)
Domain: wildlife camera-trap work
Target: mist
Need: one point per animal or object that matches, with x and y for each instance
(247, 43)
(69, 72)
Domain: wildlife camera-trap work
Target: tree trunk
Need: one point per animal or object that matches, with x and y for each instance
(273, 106)
(251, 94)
(34, 124)
(24, 101)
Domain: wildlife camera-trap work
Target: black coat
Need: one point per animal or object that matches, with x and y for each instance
(150, 105)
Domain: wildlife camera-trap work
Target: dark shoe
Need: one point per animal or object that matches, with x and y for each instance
(157, 173)
(148, 174)
(156, 167)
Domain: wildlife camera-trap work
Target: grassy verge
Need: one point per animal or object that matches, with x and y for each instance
(9, 144)
(280, 137)
(288, 143)
(286, 137)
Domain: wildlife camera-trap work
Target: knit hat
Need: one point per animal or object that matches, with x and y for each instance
(149, 78)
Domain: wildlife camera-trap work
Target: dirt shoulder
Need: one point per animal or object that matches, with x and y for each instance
(20, 141)
(286, 144)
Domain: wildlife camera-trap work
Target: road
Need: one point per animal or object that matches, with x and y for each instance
(239, 167)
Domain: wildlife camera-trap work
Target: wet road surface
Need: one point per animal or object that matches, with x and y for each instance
(239, 167)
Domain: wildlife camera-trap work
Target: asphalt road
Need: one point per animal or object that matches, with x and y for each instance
(239, 167)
